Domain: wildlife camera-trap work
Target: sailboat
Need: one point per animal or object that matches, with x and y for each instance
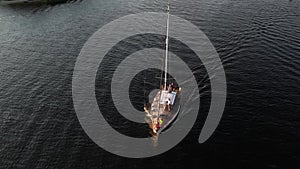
(165, 106)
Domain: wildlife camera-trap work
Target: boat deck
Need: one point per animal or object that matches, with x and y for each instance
(159, 112)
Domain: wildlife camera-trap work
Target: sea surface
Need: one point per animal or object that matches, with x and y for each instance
(258, 42)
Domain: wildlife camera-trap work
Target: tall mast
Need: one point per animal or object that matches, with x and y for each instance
(167, 44)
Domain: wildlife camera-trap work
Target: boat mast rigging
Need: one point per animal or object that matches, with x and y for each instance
(167, 45)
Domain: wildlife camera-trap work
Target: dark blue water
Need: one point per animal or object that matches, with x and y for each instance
(258, 42)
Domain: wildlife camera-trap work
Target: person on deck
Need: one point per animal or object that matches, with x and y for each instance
(156, 127)
(161, 121)
(170, 89)
(162, 87)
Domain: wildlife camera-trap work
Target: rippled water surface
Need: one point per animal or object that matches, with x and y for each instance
(258, 42)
